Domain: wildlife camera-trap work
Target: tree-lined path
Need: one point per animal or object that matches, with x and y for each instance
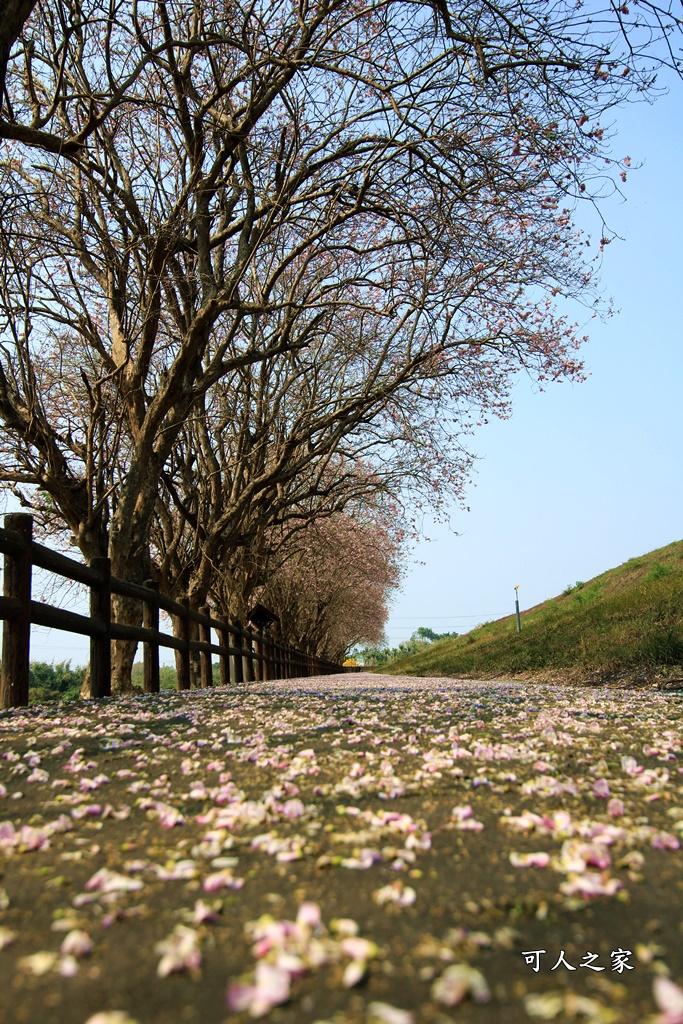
(346, 848)
(265, 268)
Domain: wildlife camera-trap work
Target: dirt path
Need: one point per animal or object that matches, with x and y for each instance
(413, 842)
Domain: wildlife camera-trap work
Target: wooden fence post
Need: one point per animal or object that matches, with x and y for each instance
(100, 646)
(183, 675)
(150, 657)
(248, 658)
(258, 661)
(205, 656)
(236, 660)
(224, 658)
(16, 632)
(266, 673)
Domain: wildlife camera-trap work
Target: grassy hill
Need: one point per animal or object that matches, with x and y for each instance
(624, 625)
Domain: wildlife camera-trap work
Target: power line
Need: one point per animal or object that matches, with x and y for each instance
(433, 618)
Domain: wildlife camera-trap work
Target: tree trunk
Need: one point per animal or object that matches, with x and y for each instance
(122, 659)
(130, 561)
(195, 665)
(195, 660)
(86, 693)
(125, 610)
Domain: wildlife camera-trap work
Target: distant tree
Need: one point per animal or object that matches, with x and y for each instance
(422, 637)
(425, 633)
(330, 583)
(54, 682)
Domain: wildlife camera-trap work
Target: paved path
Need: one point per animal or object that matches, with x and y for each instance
(347, 849)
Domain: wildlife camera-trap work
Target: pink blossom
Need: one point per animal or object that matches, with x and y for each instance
(386, 1014)
(415, 842)
(601, 789)
(359, 951)
(76, 943)
(590, 884)
(7, 834)
(270, 934)
(204, 914)
(120, 815)
(527, 822)
(270, 988)
(354, 972)
(169, 816)
(111, 1017)
(222, 879)
(39, 963)
(396, 893)
(596, 855)
(530, 860)
(28, 839)
(107, 881)
(357, 948)
(365, 859)
(458, 981)
(470, 825)
(308, 915)
(68, 966)
(630, 766)
(665, 841)
(179, 952)
(293, 808)
(182, 870)
(669, 999)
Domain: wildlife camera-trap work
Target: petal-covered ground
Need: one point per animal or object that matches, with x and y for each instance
(352, 849)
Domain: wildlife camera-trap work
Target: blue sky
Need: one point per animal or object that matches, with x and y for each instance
(584, 476)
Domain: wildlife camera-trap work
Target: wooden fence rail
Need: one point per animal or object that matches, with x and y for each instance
(244, 655)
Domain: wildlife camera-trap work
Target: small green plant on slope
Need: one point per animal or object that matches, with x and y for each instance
(658, 572)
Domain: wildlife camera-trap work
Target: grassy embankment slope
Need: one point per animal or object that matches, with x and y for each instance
(624, 625)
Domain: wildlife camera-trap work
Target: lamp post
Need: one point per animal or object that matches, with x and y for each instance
(519, 621)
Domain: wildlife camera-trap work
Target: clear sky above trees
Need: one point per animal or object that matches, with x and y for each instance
(581, 477)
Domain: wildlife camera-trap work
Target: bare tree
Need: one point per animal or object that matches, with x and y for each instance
(13, 16)
(297, 438)
(174, 174)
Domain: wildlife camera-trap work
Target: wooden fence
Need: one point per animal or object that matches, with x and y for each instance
(244, 655)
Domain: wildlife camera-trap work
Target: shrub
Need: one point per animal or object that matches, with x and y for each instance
(54, 682)
(582, 596)
(658, 571)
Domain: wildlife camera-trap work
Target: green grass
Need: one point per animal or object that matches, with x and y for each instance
(625, 623)
(167, 676)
